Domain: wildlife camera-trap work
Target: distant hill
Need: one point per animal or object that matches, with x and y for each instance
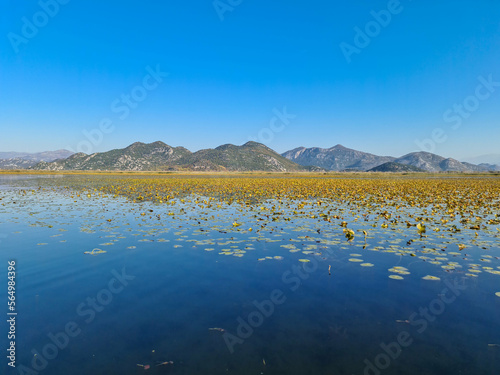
(38, 156)
(23, 160)
(336, 158)
(435, 163)
(490, 159)
(16, 163)
(136, 157)
(251, 156)
(489, 167)
(340, 158)
(395, 167)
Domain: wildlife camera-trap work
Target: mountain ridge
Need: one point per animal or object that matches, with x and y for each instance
(251, 156)
(336, 158)
(340, 158)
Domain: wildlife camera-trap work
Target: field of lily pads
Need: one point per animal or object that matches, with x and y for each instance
(437, 220)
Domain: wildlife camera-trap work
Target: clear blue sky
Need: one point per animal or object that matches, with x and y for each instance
(227, 76)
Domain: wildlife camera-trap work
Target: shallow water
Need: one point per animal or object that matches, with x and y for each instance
(177, 290)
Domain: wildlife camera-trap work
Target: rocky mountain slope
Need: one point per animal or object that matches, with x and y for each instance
(24, 160)
(336, 158)
(395, 167)
(251, 156)
(339, 158)
(435, 163)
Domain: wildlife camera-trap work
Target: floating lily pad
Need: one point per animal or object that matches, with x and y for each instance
(429, 277)
(396, 277)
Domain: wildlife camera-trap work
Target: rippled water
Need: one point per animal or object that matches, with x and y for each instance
(156, 292)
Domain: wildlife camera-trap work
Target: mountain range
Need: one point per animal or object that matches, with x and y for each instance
(340, 158)
(337, 158)
(251, 156)
(485, 159)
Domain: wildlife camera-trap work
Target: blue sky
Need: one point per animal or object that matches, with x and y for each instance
(231, 71)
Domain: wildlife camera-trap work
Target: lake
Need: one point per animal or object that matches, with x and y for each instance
(196, 283)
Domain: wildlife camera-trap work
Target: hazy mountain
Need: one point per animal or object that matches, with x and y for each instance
(336, 158)
(38, 156)
(491, 159)
(435, 163)
(136, 157)
(395, 167)
(16, 163)
(23, 160)
(489, 167)
(252, 156)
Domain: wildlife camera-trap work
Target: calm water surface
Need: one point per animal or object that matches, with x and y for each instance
(170, 291)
